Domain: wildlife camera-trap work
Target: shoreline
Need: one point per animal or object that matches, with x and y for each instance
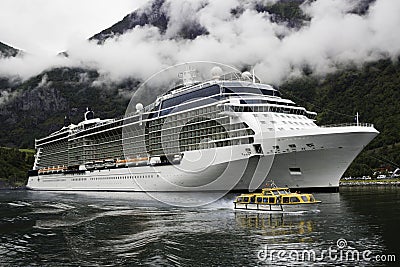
(12, 188)
(370, 183)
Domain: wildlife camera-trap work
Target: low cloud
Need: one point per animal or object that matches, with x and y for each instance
(334, 35)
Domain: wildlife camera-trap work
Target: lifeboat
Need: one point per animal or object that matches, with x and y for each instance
(120, 163)
(89, 165)
(109, 163)
(137, 161)
(275, 198)
(99, 164)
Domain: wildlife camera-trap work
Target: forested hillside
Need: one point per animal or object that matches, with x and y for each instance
(373, 91)
(36, 106)
(14, 165)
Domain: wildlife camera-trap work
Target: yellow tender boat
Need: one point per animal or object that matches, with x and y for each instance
(275, 199)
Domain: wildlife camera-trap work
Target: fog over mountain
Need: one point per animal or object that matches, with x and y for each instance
(335, 57)
(327, 35)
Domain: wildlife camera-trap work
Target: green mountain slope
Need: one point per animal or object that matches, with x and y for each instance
(373, 91)
(14, 164)
(39, 105)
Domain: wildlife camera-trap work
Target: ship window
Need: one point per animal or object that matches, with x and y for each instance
(259, 199)
(201, 93)
(265, 200)
(304, 198)
(258, 148)
(271, 200)
(251, 90)
(295, 171)
(285, 200)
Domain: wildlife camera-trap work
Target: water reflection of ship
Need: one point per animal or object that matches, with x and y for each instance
(274, 224)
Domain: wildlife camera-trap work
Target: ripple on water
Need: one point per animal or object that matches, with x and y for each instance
(95, 229)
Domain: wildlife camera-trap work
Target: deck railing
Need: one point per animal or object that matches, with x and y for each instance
(348, 125)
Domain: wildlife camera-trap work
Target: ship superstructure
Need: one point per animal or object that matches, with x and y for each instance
(228, 133)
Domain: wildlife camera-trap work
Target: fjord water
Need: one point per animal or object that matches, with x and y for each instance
(131, 229)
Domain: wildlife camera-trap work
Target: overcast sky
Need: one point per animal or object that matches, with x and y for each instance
(49, 26)
(332, 38)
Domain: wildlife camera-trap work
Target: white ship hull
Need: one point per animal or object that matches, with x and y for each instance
(233, 168)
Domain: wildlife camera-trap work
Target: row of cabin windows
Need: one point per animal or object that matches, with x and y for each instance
(189, 141)
(197, 129)
(167, 124)
(211, 125)
(233, 130)
(184, 115)
(158, 150)
(285, 110)
(125, 177)
(249, 90)
(221, 134)
(171, 105)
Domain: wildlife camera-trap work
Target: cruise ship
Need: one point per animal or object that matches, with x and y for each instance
(228, 133)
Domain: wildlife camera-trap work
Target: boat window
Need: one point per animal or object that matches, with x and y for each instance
(275, 193)
(282, 192)
(294, 199)
(285, 200)
(271, 200)
(259, 199)
(312, 199)
(251, 90)
(265, 200)
(246, 199)
(304, 198)
(239, 199)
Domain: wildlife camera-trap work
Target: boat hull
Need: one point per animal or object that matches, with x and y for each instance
(277, 207)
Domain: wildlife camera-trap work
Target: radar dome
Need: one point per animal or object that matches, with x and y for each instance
(247, 75)
(139, 107)
(216, 72)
